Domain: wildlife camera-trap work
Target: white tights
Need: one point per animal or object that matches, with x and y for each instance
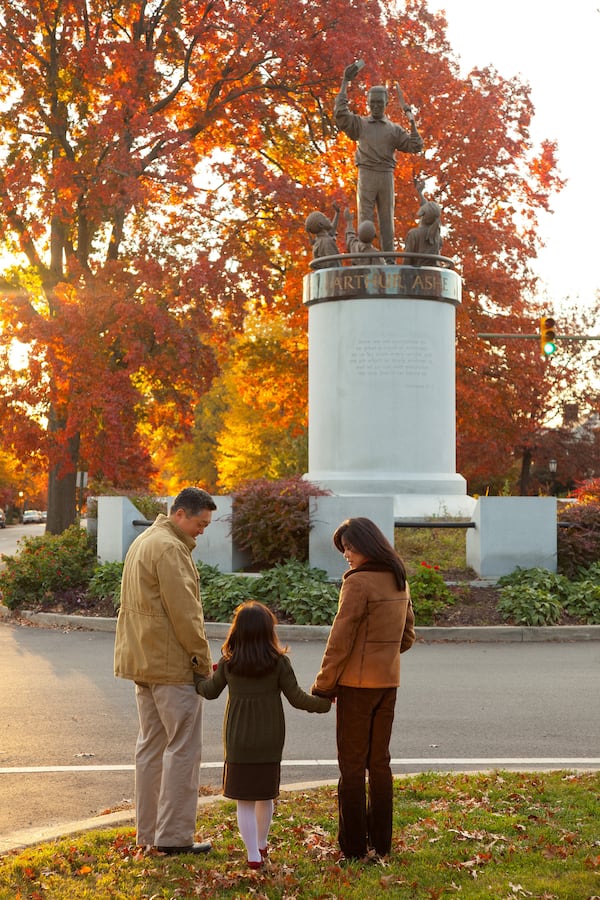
(254, 820)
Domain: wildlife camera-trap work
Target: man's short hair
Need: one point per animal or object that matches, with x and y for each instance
(378, 89)
(193, 500)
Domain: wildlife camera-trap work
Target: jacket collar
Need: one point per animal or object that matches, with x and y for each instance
(367, 566)
(163, 521)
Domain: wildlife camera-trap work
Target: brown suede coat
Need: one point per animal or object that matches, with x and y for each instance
(373, 626)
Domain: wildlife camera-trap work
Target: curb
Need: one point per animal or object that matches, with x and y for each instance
(29, 837)
(428, 634)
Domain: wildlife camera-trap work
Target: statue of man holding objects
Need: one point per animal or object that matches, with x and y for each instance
(377, 140)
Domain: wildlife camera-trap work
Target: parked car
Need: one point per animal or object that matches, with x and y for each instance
(32, 516)
(2, 519)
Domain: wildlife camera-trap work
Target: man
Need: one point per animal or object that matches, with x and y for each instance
(377, 141)
(160, 644)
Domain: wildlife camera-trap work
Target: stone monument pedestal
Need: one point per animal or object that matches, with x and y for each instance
(382, 386)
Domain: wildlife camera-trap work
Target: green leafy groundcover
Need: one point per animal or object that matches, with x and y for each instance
(489, 836)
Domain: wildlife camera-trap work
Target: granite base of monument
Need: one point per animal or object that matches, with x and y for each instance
(382, 386)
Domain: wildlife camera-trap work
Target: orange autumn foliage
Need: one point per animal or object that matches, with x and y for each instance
(158, 165)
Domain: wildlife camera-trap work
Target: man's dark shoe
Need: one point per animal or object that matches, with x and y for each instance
(191, 848)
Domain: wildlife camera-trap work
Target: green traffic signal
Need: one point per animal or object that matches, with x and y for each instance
(547, 335)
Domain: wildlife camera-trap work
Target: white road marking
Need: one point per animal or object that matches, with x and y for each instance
(480, 762)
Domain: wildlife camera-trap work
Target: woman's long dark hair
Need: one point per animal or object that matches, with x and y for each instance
(365, 537)
(252, 647)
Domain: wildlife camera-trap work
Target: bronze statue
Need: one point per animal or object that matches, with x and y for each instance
(426, 237)
(322, 234)
(361, 242)
(377, 139)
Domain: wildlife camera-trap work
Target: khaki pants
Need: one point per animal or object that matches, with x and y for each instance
(167, 763)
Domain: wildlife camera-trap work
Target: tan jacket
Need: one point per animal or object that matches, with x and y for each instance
(160, 635)
(373, 626)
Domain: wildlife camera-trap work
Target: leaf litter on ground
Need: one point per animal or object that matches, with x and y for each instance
(469, 835)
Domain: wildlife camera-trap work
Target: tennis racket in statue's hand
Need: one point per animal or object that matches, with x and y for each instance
(405, 106)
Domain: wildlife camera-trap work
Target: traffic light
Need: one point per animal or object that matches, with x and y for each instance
(547, 335)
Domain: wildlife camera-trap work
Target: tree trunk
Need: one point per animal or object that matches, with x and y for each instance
(525, 471)
(62, 491)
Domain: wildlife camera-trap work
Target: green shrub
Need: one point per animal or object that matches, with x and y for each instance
(293, 589)
(300, 592)
(578, 537)
(271, 519)
(45, 565)
(207, 572)
(533, 596)
(542, 580)
(221, 595)
(539, 597)
(106, 582)
(525, 605)
(592, 573)
(429, 593)
(584, 601)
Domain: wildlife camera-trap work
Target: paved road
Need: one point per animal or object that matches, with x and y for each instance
(459, 706)
(12, 534)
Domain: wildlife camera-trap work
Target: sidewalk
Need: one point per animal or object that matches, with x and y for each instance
(429, 634)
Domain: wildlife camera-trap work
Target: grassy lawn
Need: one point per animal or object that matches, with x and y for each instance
(490, 836)
(443, 547)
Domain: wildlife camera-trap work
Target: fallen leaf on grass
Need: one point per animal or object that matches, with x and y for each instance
(388, 881)
(480, 859)
(553, 851)
(468, 835)
(519, 889)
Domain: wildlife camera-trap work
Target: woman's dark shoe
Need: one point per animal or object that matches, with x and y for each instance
(264, 852)
(252, 864)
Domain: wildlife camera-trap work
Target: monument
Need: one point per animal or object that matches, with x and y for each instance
(382, 354)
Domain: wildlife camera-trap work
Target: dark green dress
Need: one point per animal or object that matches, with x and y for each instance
(254, 725)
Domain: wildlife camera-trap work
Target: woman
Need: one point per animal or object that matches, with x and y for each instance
(361, 667)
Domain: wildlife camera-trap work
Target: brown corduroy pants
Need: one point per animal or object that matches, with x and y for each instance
(364, 727)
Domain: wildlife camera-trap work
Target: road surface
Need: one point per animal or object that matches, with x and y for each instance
(12, 534)
(69, 727)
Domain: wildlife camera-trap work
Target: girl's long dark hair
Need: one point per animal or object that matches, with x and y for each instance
(252, 647)
(365, 537)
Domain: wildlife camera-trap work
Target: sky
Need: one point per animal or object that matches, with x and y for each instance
(555, 48)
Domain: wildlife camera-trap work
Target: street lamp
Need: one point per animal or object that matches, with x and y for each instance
(552, 467)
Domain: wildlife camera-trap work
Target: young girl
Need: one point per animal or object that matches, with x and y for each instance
(256, 670)
(322, 234)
